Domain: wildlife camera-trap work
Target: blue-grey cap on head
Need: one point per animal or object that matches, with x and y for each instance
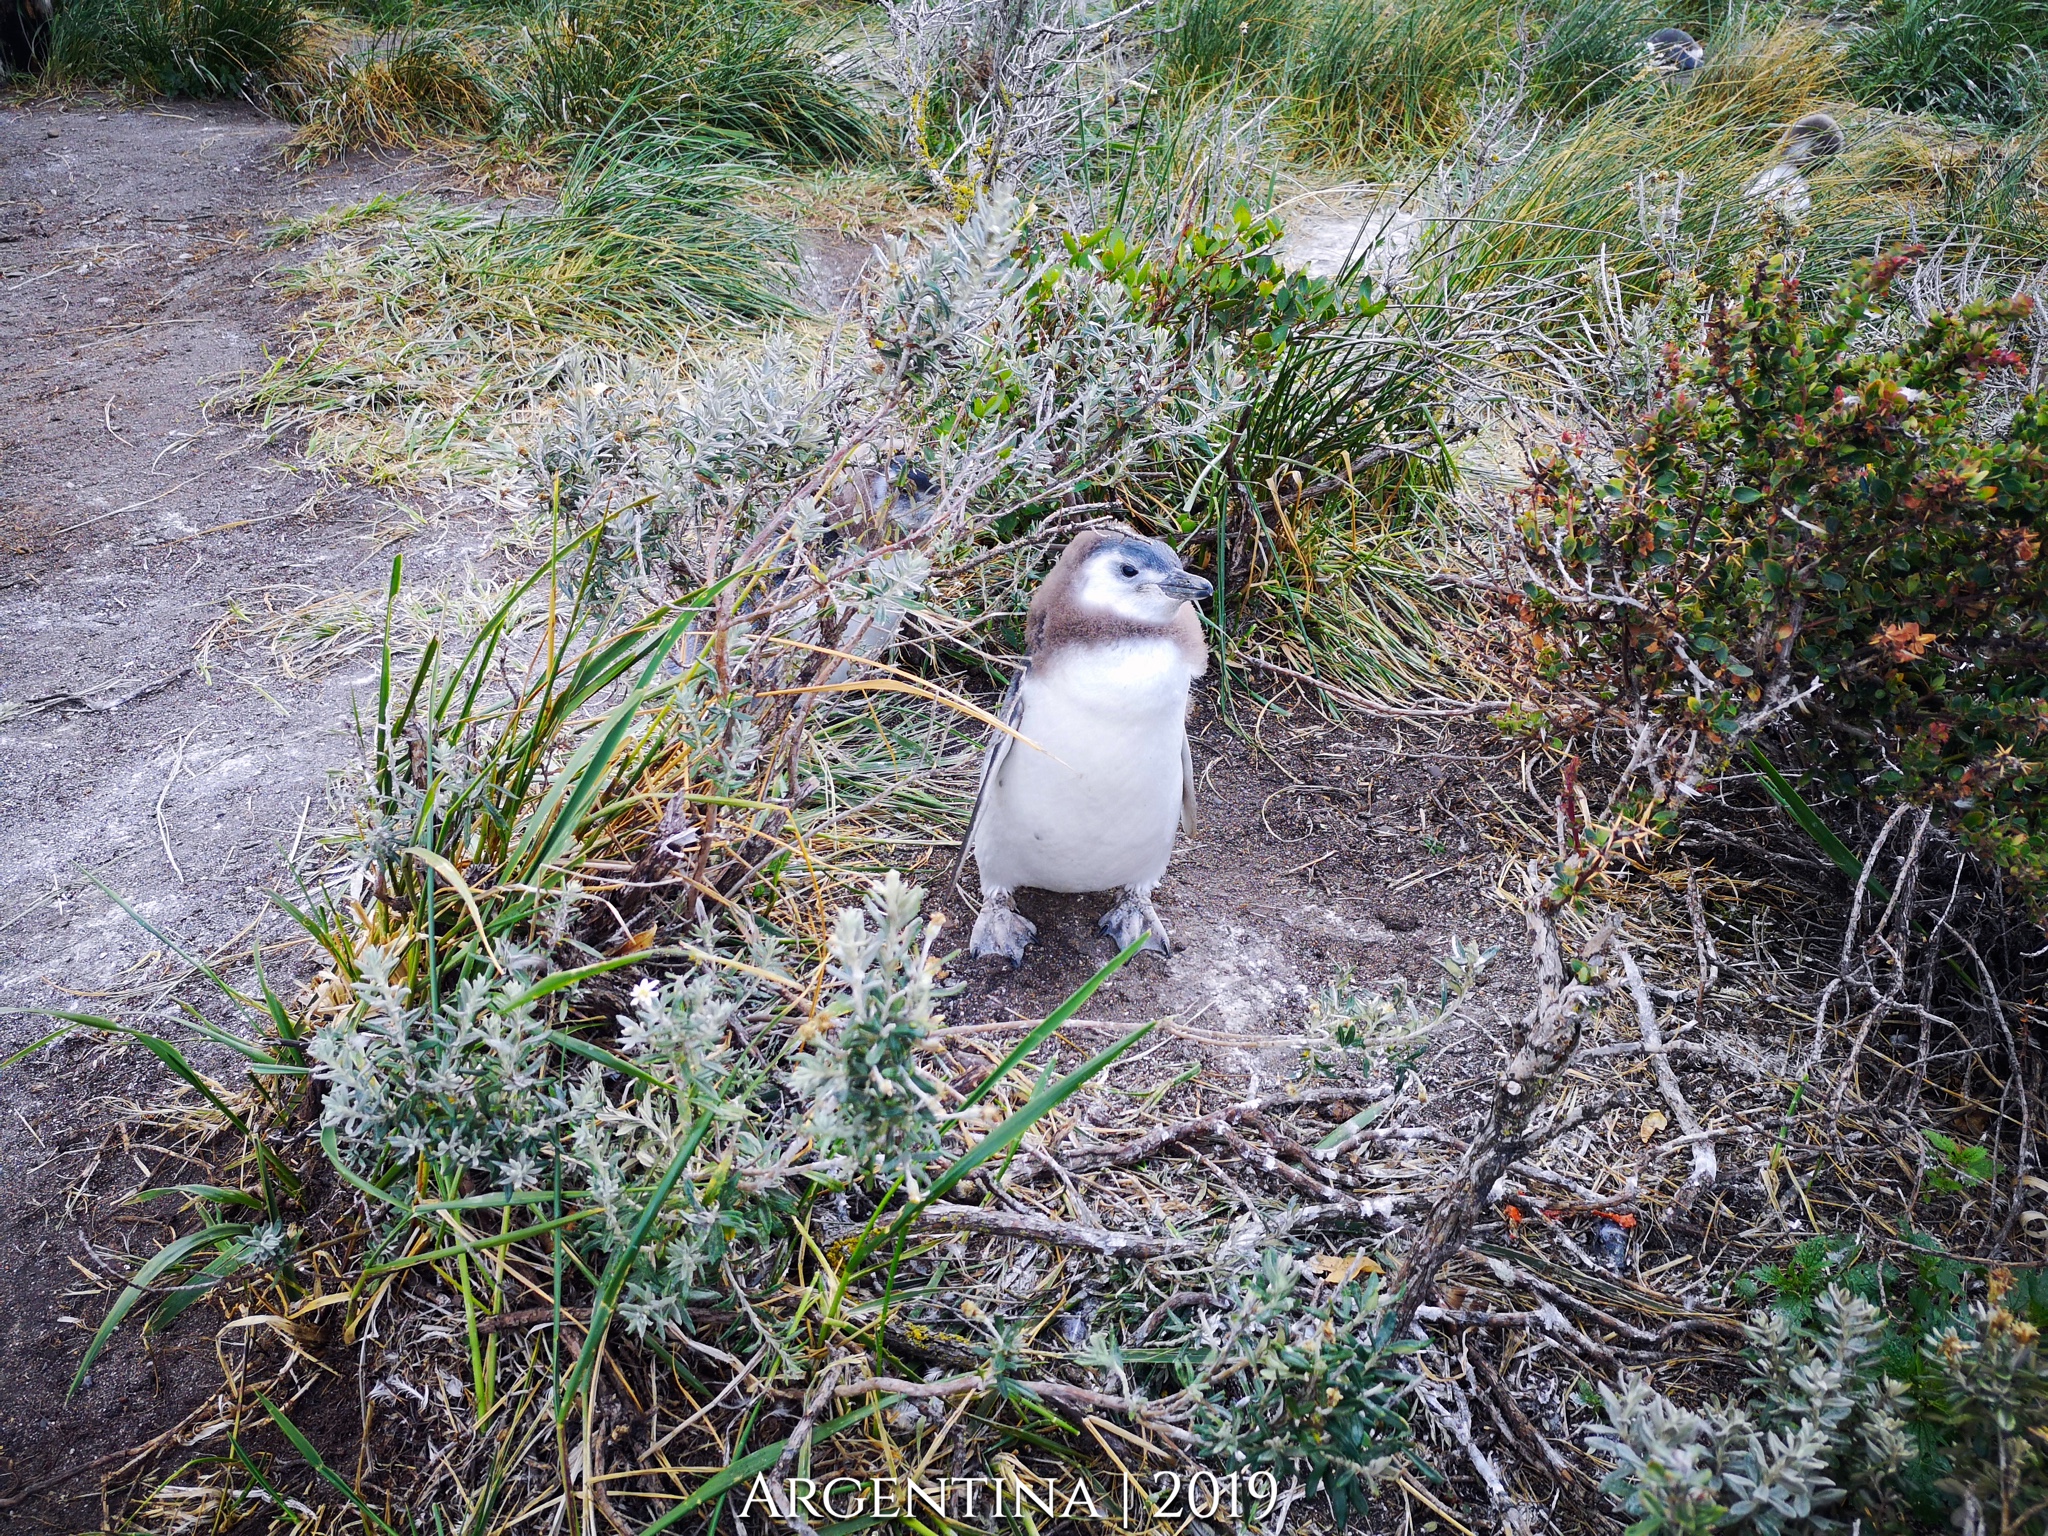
(1673, 48)
(1142, 564)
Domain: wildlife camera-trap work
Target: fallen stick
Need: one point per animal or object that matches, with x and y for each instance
(1173, 1303)
(1057, 1234)
(1706, 1167)
(952, 1386)
(1098, 1402)
(1154, 1141)
(1518, 1421)
(1545, 1038)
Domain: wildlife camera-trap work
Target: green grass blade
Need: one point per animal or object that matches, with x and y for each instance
(318, 1463)
(167, 941)
(223, 1266)
(481, 1245)
(1357, 1122)
(1053, 1021)
(213, 1192)
(1795, 805)
(605, 1058)
(1039, 1106)
(158, 1264)
(33, 1046)
(561, 979)
(331, 1147)
(173, 1058)
(760, 1461)
(248, 1050)
(381, 754)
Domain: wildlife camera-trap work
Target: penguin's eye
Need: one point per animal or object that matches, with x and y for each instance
(1130, 570)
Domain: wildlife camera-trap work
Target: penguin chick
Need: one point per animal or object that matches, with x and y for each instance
(874, 508)
(1673, 51)
(1091, 795)
(1815, 138)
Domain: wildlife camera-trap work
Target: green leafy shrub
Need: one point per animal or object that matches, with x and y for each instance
(1308, 1389)
(1809, 530)
(177, 47)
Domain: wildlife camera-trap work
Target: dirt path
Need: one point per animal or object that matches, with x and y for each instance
(134, 288)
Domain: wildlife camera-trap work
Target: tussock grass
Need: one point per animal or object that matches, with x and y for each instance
(1209, 40)
(1980, 59)
(1761, 77)
(746, 68)
(1651, 184)
(1357, 79)
(1389, 75)
(1589, 51)
(435, 332)
(177, 47)
(648, 243)
(407, 89)
(735, 66)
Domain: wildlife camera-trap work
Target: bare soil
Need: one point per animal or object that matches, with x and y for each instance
(131, 517)
(136, 755)
(1323, 850)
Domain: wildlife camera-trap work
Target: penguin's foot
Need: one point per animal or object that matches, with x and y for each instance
(1133, 915)
(1001, 929)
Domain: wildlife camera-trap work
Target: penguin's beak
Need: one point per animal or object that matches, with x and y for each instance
(1186, 585)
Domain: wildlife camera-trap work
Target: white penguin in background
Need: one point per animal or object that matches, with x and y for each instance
(1091, 796)
(1815, 138)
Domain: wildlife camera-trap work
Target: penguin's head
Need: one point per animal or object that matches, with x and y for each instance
(1673, 49)
(1136, 579)
(1814, 138)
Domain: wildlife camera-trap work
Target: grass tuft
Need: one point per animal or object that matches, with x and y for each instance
(734, 66)
(408, 90)
(177, 47)
(1590, 51)
(1389, 75)
(1980, 59)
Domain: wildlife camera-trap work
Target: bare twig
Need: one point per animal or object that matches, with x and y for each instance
(1706, 1166)
(1545, 1040)
(1058, 1234)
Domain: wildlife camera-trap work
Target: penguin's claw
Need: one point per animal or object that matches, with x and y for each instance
(1001, 930)
(1133, 915)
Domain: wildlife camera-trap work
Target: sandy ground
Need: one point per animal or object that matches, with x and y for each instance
(131, 517)
(182, 774)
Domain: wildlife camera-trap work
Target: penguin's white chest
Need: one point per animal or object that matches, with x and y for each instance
(1091, 800)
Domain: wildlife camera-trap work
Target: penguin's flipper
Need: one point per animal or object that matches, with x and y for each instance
(1000, 741)
(1188, 820)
